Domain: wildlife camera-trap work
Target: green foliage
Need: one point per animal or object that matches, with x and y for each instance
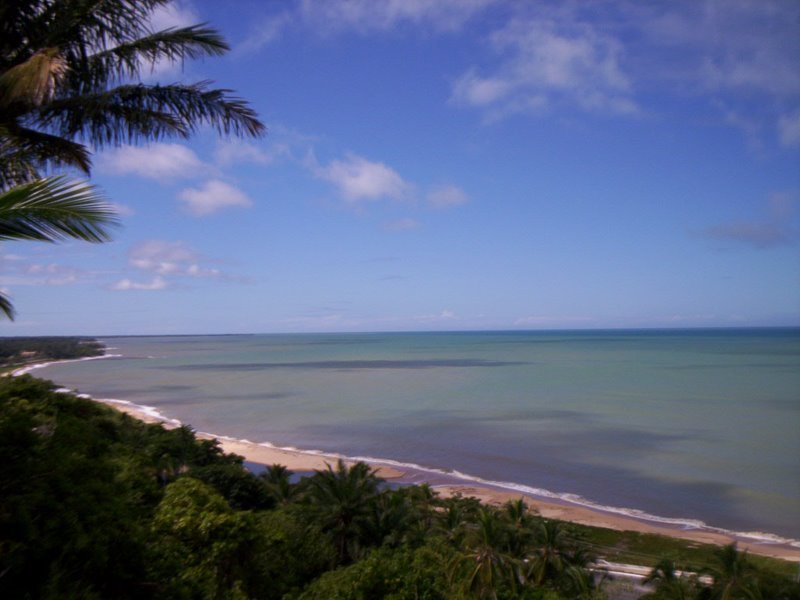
(407, 574)
(201, 547)
(19, 350)
(341, 500)
(69, 75)
(53, 209)
(292, 552)
(79, 485)
(94, 504)
(242, 489)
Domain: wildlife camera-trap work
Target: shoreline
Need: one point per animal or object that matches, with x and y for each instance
(309, 460)
(579, 511)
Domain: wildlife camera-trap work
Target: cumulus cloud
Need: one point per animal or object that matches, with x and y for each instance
(381, 15)
(358, 179)
(545, 63)
(608, 57)
(265, 32)
(175, 14)
(162, 257)
(230, 152)
(26, 273)
(212, 197)
(157, 283)
(165, 262)
(446, 196)
(21, 270)
(364, 17)
(155, 161)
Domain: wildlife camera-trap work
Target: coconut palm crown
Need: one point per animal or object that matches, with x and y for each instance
(70, 75)
(70, 79)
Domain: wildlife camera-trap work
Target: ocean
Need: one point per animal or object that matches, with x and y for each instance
(689, 427)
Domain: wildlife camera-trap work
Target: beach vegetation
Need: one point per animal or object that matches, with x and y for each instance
(16, 352)
(96, 504)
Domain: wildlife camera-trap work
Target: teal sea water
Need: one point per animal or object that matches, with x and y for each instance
(691, 426)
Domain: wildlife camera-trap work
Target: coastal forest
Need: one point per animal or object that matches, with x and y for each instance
(97, 504)
(19, 351)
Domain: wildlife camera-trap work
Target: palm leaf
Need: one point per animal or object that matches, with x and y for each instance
(173, 45)
(6, 307)
(54, 209)
(130, 113)
(24, 152)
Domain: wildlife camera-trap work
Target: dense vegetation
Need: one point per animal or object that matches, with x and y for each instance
(95, 504)
(16, 351)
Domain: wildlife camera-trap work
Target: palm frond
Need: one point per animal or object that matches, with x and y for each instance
(54, 209)
(24, 152)
(129, 113)
(173, 45)
(6, 307)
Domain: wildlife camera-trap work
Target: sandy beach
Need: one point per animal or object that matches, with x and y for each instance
(297, 460)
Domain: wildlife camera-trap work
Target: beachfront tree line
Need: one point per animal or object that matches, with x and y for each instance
(17, 351)
(96, 504)
(70, 80)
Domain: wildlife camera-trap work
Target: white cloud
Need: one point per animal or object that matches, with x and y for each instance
(213, 196)
(163, 257)
(175, 14)
(789, 129)
(54, 274)
(359, 179)
(123, 209)
(546, 63)
(446, 196)
(166, 261)
(155, 161)
(25, 273)
(19, 270)
(266, 32)
(380, 15)
(324, 17)
(157, 283)
(235, 151)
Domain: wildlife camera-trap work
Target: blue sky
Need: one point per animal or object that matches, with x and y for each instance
(454, 165)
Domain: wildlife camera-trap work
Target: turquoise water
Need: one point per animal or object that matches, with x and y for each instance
(689, 425)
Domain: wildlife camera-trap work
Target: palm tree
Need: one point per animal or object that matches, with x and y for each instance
(559, 561)
(49, 210)
(520, 520)
(69, 73)
(731, 571)
(69, 76)
(278, 480)
(342, 499)
(668, 583)
(489, 567)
